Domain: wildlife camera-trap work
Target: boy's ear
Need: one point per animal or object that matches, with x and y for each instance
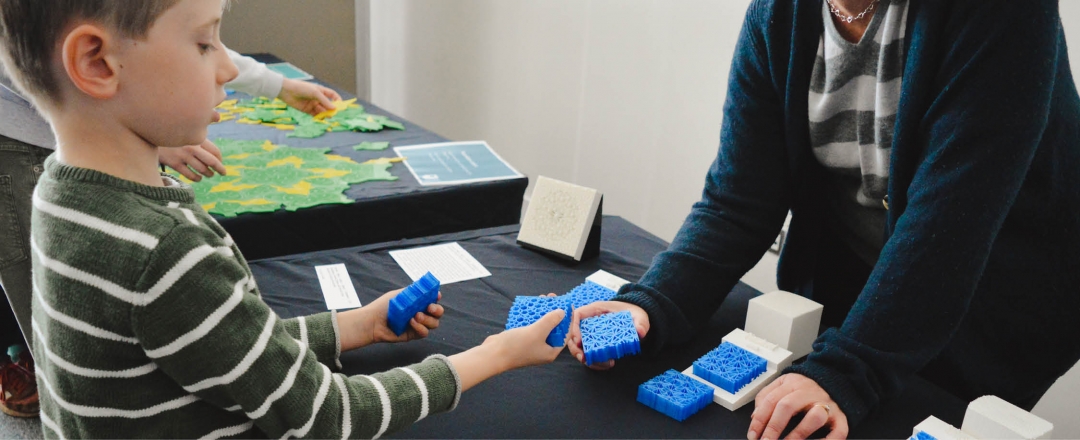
(88, 57)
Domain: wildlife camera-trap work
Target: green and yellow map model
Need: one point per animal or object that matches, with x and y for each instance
(263, 177)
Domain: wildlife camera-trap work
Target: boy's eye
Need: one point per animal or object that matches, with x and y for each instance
(204, 48)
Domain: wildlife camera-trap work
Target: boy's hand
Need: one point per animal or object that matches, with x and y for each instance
(308, 97)
(641, 322)
(367, 325)
(203, 159)
(525, 346)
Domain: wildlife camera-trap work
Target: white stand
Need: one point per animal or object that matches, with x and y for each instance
(607, 280)
(562, 219)
(990, 417)
(940, 430)
(777, 358)
(785, 319)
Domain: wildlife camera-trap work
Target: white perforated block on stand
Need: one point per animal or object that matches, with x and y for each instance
(777, 357)
(990, 417)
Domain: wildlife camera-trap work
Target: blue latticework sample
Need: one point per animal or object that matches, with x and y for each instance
(922, 435)
(674, 394)
(730, 367)
(609, 336)
(588, 293)
(415, 298)
(529, 309)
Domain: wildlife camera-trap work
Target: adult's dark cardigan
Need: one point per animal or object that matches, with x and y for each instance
(978, 280)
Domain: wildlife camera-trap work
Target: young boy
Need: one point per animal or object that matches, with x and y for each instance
(146, 319)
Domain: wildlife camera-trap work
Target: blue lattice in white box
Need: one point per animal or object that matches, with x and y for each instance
(609, 336)
(776, 358)
(675, 395)
(528, 309)
(730, 367)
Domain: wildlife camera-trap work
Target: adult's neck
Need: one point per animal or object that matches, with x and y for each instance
(95, 141)
(854, 30)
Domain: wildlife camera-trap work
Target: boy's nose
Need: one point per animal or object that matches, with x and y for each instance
(228, 70)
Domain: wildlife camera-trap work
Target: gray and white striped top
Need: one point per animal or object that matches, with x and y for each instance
(854, 94)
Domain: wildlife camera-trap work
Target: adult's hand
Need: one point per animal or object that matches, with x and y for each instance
(791, 394)
(641, 323)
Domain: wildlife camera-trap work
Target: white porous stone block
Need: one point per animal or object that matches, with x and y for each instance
(559, 217)
(990, 417)
(785, 319)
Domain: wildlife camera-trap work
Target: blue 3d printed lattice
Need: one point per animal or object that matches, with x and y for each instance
(674, 394)
(415, 298)
(922, 435)
(588, 293)
(529, 309)
(609, 336)
(730, 367)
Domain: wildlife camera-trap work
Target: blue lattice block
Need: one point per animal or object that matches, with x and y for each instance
(415, 298)
(529, 309)
(609, 336)
(675, 395)
(922, 435)
(730, 367)
(588, 293)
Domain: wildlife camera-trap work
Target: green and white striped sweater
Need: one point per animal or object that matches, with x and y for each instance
(147, 323)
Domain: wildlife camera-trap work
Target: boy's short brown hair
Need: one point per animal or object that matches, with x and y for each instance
(30, 30)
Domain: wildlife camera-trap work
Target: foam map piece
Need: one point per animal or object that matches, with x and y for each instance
(729, 367)
(609, 336)
(588, 293)
(414, 299)
(675, 395)
(263, 177)
(345, 116)
(528, 309)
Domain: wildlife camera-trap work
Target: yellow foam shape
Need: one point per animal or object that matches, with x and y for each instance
(251, 202)
(226, 117)
(338, 158)
(228, 103)
(338, 105)
(383, 160)
(248, 121)
(269, 146)
(303, 188)
(209, 206)
(291, 160)
(327, 173)
(234, 169)
(229, 186)
(239, 156)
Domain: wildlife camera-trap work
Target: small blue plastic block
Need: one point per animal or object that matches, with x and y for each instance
(415, 298)
(730, 367)
(674, 394)
(588, 293)
(609, 336)
(922, 435)
(529, 309)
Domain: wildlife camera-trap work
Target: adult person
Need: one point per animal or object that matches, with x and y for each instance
(929, 153)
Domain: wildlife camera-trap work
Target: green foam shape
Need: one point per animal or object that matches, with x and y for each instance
(373, 146)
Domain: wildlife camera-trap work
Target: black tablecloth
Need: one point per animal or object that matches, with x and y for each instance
(563, 399)
(383, 210)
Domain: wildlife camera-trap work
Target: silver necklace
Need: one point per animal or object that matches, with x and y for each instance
(851, 18)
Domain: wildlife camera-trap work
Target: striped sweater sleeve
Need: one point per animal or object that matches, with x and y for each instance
(211, 333)
(322, 332)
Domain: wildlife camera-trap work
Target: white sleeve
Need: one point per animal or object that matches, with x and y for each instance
(255, 78)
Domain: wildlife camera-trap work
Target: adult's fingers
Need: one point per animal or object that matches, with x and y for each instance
(816, 417)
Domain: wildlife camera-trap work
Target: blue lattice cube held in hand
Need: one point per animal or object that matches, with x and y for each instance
(588, 293)
(529, 309)
(730, 367)
(675, 395)
(609, 336)
(415, 298)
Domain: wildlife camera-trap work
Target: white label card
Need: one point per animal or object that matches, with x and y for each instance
(337, 287)
(449, 263)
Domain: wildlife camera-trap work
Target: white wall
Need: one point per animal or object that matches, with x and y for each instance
(621, 95)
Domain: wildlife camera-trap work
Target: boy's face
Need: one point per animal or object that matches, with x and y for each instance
(171, 80)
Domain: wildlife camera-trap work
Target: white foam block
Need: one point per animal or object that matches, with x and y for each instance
(785, 319)
(559, 217)
(990, 417)
(777, 358)
(940, 430)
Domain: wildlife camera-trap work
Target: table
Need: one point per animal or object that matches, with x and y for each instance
(562, 399)
(383, 211)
